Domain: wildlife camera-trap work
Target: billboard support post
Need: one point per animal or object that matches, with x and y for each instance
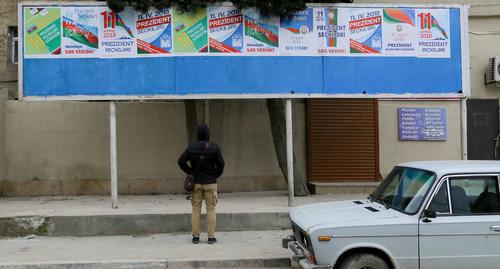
(289, 150)
(464, 25)
(207, 112)
(113, 156)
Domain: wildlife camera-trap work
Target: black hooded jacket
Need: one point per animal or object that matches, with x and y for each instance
(212, 165)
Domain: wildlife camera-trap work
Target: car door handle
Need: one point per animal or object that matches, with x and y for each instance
(495, 228)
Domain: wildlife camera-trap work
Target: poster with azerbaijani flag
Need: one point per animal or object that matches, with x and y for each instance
(399, 32)
(94, 31)
(154, 32)
(42, 31)
(225, 29)
(117, 37)
(261, 32)
(80, 31)
(331, 30)
(434, 33)
(190, 31)
(365, 31)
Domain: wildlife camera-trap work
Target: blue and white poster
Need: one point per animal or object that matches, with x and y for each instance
(331, 30)
(365, 31)
(117, 37)
(154, 32)
(225, 29)
(399, 32)
(80, 31)
(434, 33)
(261, 33)
(297, 33)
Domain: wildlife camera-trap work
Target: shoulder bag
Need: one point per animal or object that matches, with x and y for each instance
(190, 180)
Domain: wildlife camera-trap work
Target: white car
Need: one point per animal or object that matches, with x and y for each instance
(424, 215)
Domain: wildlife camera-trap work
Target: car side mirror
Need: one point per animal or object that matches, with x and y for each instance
(429, 214)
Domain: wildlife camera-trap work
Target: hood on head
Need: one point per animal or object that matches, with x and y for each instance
(203, 133)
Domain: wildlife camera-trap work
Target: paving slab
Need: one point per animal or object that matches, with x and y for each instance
(245, 202)
(139, 215)
(256, 249)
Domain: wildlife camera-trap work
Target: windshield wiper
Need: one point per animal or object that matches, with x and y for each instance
(379, 200)
(387, 206)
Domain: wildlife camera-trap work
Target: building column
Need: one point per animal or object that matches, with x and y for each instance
(4, 96)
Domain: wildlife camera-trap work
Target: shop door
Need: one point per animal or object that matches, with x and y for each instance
(482, 128)
(342, 140)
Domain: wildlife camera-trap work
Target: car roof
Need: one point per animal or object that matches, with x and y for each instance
(456, 167)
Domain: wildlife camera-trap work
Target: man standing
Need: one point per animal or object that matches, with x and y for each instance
(204, 161)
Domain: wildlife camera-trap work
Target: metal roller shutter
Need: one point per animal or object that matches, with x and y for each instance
(342, 139)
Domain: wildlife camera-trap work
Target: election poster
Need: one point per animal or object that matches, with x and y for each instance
(365, 31)
(399, 32)
(434, 33)
(190, 31)
(93, 31)
(117, 37)
(42, 31)
(80, 31)
(261, 32)
(297, 33)
(154, 32)
(225, 29)
(331, 31)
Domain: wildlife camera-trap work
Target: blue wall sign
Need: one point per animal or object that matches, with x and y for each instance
(422, 124)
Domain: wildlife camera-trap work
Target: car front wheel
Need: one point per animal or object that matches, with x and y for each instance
(363, 261)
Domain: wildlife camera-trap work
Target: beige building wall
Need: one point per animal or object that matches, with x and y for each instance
(3, 99)
(393, 151)
(63, 147)
(484, 44)
(8, 71)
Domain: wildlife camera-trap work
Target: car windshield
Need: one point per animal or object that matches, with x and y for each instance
(404, 189)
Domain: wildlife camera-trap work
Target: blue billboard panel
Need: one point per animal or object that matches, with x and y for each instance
(323, 51)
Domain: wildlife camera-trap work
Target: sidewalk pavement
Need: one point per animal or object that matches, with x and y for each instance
(233, 250)
(245, 202)
(145, 232)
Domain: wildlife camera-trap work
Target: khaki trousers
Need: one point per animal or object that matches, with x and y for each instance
(207, 192)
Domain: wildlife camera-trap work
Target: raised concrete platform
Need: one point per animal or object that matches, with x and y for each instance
(258, 249)
(143, 215)
(342, 188)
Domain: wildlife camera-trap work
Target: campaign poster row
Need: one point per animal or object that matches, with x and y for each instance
(96, 31)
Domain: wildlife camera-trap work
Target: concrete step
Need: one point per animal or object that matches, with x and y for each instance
(136, 224)
(342, 188)
(144, 215)
(255, 249)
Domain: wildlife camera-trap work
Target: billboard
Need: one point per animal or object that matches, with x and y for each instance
(85, 51)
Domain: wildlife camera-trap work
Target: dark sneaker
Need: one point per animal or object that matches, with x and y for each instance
(212, 240)
(196, 239)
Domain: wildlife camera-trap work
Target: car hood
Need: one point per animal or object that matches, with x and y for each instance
(342, 214)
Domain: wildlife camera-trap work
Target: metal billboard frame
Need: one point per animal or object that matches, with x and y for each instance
(465, 63)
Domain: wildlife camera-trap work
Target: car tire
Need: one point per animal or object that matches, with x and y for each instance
(363, 261)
